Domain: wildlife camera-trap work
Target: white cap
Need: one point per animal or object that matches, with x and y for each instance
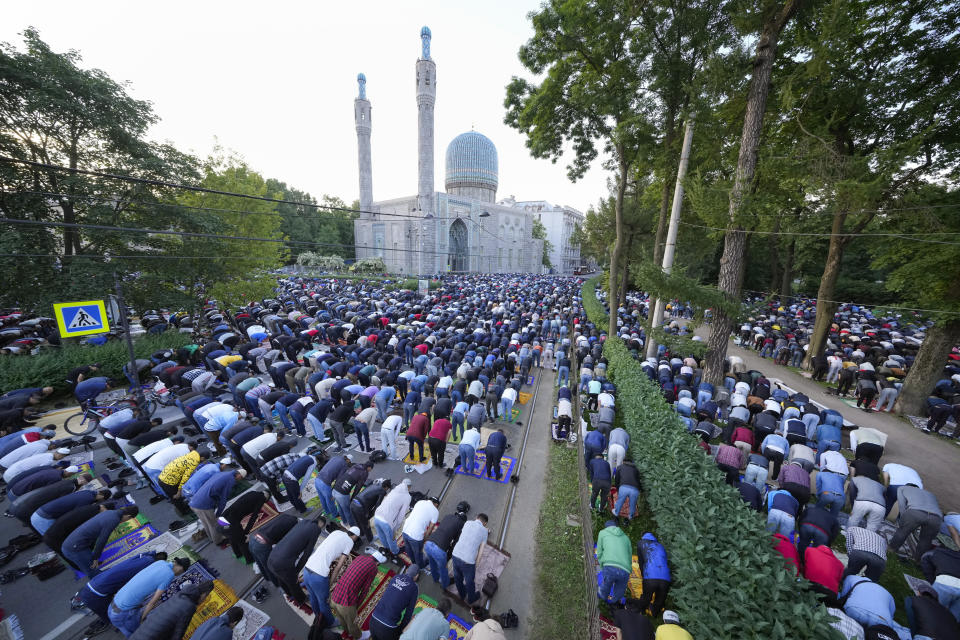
(63, 451)
(406, 482)
(242, 473)
(227, 460)
(72, 469)
(354, 530)
(671, 617)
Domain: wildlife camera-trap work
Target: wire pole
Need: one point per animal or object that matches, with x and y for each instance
(669, 251)
(138, 391)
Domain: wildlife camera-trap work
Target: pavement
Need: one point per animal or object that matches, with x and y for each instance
(935, 458)
(57, 621)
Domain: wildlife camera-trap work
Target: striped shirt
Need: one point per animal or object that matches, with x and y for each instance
(276, 466)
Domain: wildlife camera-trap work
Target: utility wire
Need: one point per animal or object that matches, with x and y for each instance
(829, 235)
(215, 236)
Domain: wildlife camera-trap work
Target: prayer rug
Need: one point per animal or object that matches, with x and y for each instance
(558, 437)
(253, 620)
(480, 460)
(165, 542)
(491, 560)
(608, 630)
(635, 582)
(377, 589)
(308, 493)
(459, 628)
(950, 428)
(216, 604)
(196, 573)
(612, 501)
(127, 543)
(267, 513)
(127, 526)
(530, 380)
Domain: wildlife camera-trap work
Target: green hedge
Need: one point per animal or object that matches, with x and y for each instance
(728, 580)
(592, 306)
(52, 365)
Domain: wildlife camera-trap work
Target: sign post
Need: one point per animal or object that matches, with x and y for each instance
(75, 319)
(134, 374)
(423, 287)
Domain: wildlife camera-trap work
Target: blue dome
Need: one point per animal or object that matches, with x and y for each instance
(471, 162)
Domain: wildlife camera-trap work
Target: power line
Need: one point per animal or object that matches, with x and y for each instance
(215, 236)
(829, 235)
(859, 304)
(148, 256)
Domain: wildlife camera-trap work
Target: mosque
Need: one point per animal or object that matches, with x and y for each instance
(463, 228)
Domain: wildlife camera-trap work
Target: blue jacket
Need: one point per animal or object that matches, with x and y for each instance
(497, 441)
(599, 469)
(214, 629)
(595, 440)
(94, 532)
(653, 558)
(56, 508)
(109, 582)
(300, 466)
(214, 492)
(200, 475)
(331, 470)
(396, 606)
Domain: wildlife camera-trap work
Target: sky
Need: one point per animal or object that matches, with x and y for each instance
(275, 82)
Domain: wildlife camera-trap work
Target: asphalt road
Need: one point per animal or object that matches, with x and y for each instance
(55, 620)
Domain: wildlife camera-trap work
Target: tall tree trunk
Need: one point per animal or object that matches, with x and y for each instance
(928, 367)
(773, 245)
(625, 272)
(617, 255)
(786, 285)
(828, 283)
(732, 261)
(668, 163)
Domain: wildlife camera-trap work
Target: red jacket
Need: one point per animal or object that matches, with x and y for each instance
(742, 434)
(419, 425)
(822, 567)
(784, 547)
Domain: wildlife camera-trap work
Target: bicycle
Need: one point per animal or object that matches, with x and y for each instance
(87, 420)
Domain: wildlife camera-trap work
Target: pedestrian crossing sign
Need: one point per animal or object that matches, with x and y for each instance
(81, 318)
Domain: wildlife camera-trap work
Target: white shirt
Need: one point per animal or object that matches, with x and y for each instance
(394, 506)
(901, 474)
(209, 410)
(564, 408)
(472, 438)
(258, 444)
(509, 394)
(34, 461)
(472, 537)
(24, 451)
(145, 452)
(605, 400)
(421, 516)
(738, 400)
(333, 546)
(444, 382)
(392, 423)
(323, 387)
(475, 389)
(368, 416)
(833, 461)
(771, 405)
(165, 456)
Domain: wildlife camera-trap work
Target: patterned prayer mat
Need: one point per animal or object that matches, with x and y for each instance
(127, 543)
(216, 604)
(459, 628)
(506, 468)
(377, 588)
(608, 630)
(267, 513)
(491, 560)
(612, 501)
(127, 526)
(196, 573)
(253, 620)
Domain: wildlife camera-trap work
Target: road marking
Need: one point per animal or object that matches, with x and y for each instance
(63, 626)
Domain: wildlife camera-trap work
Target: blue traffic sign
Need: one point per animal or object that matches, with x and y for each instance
(81, 318)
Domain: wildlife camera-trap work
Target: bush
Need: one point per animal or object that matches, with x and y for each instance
(51, 367)
(728, 580)
(592, 306)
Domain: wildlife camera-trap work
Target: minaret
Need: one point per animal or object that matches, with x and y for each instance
(426, 98)
(361, 114)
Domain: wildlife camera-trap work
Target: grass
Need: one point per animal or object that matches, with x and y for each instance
(561, 605)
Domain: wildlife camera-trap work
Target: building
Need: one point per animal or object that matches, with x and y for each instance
(560, 223)
(462, 228)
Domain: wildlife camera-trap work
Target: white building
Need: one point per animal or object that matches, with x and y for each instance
(560, 222)
(463, 228)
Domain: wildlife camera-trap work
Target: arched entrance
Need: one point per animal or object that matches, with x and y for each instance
(458, 258)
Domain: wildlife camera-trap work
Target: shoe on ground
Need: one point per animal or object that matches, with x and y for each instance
(98, 626)
(925, 429)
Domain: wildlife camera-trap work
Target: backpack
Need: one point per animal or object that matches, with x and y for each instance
(378, 456)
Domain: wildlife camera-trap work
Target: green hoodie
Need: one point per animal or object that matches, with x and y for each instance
(613, 548)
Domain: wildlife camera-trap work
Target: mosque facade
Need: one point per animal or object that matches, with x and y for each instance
(463, 228)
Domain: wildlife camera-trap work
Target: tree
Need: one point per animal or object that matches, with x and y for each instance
(54, 112)
(920, 279)
(878, 101)
(592, 96)
(328, 224)
(775, 17)
(369, 266)
(540, 233)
